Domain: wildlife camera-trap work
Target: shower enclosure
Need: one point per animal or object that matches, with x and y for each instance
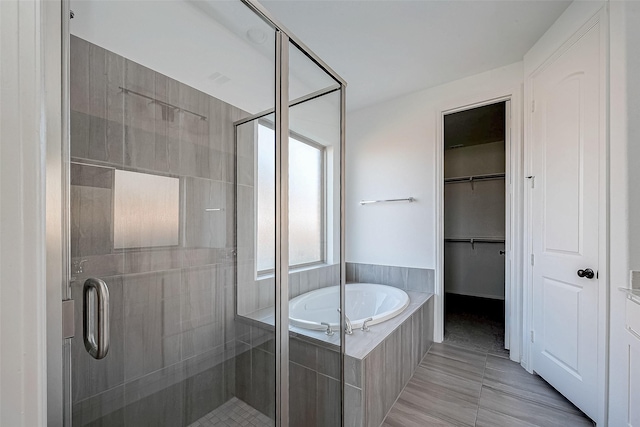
(205, 190)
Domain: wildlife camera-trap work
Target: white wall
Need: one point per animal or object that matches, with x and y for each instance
(391, 152)
(22, 216)
(624, 200)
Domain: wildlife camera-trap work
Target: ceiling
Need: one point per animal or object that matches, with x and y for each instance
(383, 49)
(389, 48)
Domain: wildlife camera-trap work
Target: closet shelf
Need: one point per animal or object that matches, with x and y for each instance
(472, 178)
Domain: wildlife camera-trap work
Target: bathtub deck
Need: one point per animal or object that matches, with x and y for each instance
(379, 363)
(360, 344)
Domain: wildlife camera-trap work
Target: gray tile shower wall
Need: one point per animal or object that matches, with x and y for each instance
(255, 367)
(407, 278)
(173, 346)
(314, 376)
(635, 279)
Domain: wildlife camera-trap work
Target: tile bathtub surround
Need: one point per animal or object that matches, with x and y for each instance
(406, 278)
(257, 295)
(172, 308)
(312, 278)
(314, 377)
(314, 383)
(374, 382)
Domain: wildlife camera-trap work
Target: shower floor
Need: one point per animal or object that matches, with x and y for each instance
(234, 413)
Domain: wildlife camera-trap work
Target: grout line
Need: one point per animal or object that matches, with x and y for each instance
(525, 399)
(533, 402)
(484, 370)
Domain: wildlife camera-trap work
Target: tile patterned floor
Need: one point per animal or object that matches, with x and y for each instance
(476, 323)
(456, 386)
(234, 413)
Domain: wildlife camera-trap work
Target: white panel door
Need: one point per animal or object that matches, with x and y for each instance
(566, 140)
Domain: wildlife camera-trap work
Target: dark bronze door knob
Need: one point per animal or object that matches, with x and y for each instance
(588, 273)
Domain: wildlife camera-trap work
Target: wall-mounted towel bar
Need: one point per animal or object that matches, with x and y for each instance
(368, 202)
(472, 178)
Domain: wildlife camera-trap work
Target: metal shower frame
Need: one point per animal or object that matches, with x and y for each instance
(58, 279)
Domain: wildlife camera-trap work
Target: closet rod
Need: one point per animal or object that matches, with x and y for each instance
(478, 240)
(472, 178)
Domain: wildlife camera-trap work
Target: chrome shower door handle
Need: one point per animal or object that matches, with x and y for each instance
(95, 317)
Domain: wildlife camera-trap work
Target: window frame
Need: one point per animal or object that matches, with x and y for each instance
(323, 200)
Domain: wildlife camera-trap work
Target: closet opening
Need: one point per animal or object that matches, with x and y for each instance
(475, 224)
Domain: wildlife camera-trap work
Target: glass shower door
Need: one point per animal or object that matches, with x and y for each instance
(155, 90)
(316, 336)
(205, 195)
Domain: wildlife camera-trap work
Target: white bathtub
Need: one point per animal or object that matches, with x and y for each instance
(362, 301)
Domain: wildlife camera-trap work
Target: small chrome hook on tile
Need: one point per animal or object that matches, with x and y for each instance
(78, 266)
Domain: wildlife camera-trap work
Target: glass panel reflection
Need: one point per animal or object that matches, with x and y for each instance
(314, 227)
(156, 87)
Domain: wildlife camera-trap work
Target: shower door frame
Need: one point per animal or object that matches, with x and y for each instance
(58, 235)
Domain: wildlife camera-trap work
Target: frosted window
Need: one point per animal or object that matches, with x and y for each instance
(146, 210)
(266, 185)
(305, 203)
(306, 210)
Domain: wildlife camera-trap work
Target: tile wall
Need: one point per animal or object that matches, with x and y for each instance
(314, 377)
(406, 278)
(374, 382)
(176, 351)
(635, 279)
(173, 346)
(259, 294)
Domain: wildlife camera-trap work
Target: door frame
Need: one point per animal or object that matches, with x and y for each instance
(600, 17)
(513, 214)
